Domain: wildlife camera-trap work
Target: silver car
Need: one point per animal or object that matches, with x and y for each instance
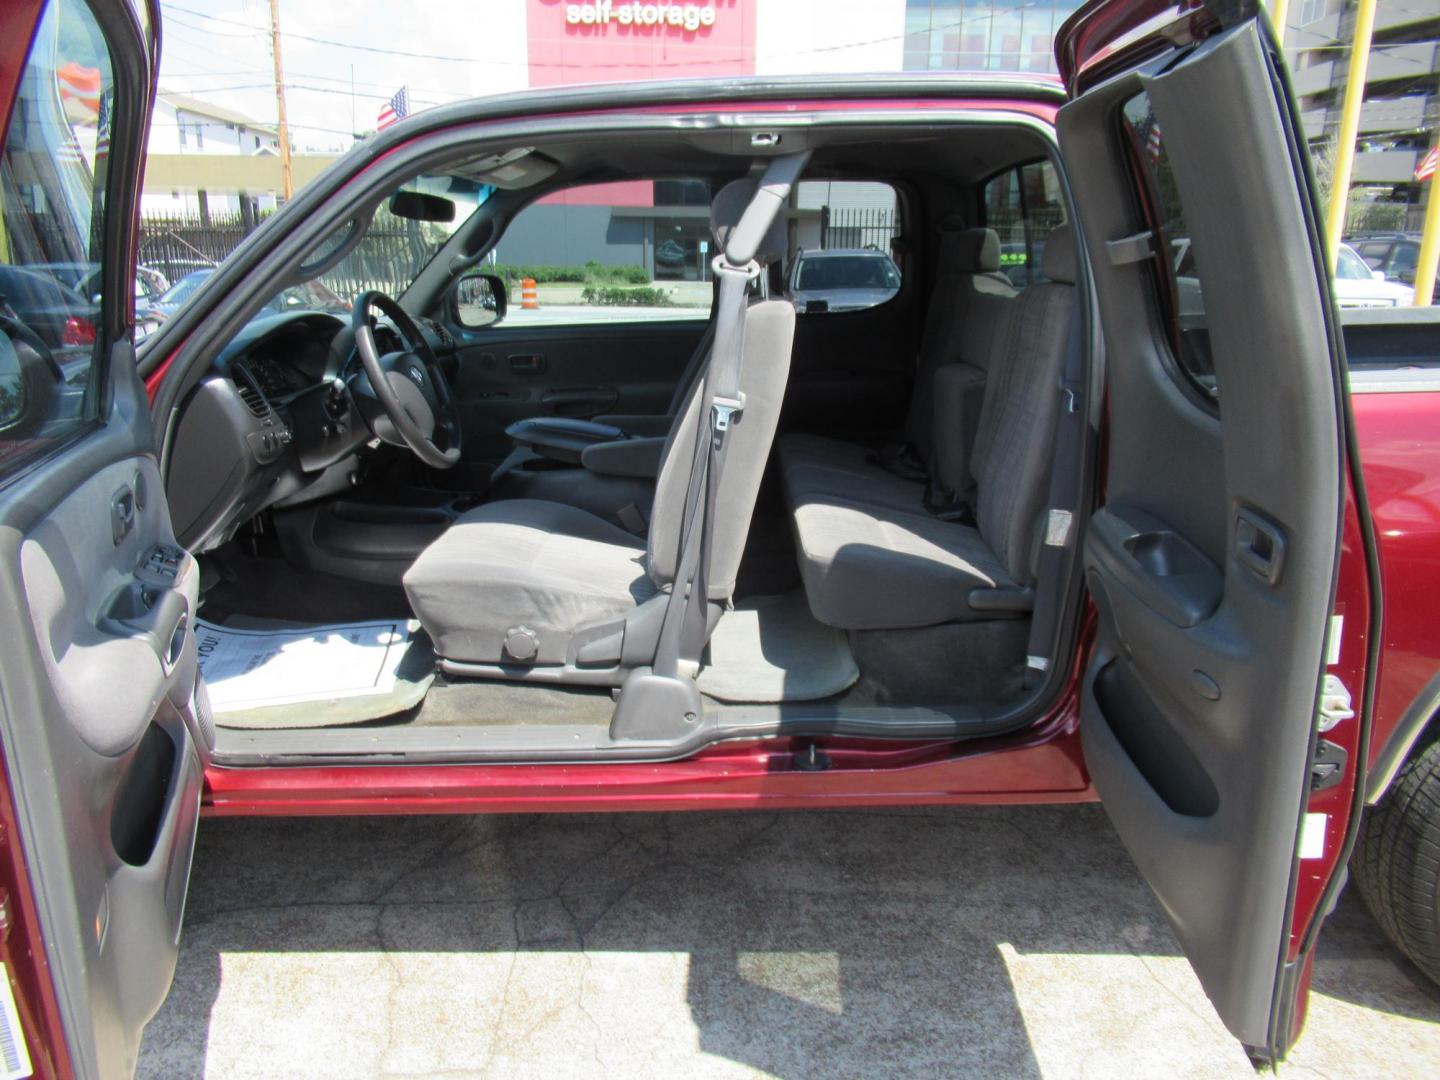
(842, 279)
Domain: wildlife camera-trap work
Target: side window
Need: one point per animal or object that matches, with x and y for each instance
(1023, 205)
(52, 206)
(633, 251)
(1181, 300)
(847, 241)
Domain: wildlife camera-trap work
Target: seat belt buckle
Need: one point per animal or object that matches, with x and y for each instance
(725, 408)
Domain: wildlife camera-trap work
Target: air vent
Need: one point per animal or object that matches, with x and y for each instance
(440, 331)
(250, 392)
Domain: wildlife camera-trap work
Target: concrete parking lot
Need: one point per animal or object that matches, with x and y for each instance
(1014, 942)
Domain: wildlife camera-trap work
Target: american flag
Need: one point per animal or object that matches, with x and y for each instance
(102, 126)
(397, 108)
(1154, 146)
(1428, 163)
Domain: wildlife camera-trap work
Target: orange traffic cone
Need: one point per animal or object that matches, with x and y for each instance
(529, 297)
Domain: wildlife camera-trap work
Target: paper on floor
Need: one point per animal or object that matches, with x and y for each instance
(248, 669)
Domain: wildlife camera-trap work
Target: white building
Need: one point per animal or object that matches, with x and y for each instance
(185, 125)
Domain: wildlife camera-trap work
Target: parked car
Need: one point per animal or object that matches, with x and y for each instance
(1357, 285)
(84, 278)
(58, 314)
(307, 295)
(842, 279)
(1396, 255)
(950, 596)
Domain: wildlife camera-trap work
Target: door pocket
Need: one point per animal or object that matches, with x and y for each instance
(1154, 747)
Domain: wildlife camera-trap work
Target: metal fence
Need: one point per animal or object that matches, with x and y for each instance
(386, 258)
(858, 227)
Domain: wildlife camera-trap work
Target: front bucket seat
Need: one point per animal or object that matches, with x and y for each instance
(542, 591)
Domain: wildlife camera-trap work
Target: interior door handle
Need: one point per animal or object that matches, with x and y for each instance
(529, 363)
(580, 400)
(1259, 545)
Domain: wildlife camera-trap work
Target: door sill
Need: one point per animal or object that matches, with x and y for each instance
(521, 744)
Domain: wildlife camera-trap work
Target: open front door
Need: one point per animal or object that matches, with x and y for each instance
(97, 670)
(1213, 557)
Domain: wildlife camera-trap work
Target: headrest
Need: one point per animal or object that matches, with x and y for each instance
(725, 213)
(969, 251)
(1058, 262)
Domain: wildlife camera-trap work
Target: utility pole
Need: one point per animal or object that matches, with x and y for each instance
(1429, 257)
(1349, 128)
(287, 184)
(1279, 12)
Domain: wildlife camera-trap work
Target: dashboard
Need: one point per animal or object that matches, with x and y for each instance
(273, 423)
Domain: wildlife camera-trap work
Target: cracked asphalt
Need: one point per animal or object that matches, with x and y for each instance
(1015, 942)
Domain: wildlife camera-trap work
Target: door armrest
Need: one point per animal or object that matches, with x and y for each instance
(625, 457)
(561, 438)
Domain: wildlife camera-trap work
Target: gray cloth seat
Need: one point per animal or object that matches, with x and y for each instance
(869, 563)
(519, 585)
(969, 304)
(546, 566)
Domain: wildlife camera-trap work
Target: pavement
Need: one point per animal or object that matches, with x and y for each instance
(1011, 942)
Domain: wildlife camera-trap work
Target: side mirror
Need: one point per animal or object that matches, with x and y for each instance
(480, 300)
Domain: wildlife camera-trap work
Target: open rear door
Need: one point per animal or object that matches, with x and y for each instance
(1212, 560)
(102, 780)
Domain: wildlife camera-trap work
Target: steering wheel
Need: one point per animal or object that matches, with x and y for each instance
(409, 387)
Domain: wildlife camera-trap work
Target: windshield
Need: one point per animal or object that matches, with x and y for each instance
(388, 257)
(847, 272)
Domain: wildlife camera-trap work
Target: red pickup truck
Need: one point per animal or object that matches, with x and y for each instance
(1088, 529)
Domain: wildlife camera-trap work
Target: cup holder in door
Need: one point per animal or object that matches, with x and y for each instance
(1163, 554)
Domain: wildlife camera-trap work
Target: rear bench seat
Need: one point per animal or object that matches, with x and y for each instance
(871, 555)
(965, 313)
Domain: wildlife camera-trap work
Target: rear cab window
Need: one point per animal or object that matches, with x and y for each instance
(1023, 205)
(846, 240)
(53, 171)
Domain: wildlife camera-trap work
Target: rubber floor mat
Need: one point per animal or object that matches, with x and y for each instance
(770, 649)
(288, 676)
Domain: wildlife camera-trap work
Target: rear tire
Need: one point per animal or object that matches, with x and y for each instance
(1397, 862)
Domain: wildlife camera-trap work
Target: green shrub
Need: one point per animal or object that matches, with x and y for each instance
(613, 296)
(592, 273)
(627, 274)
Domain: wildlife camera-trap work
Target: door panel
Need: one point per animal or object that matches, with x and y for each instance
(99, 676)
(1211, 564)
(513, 372)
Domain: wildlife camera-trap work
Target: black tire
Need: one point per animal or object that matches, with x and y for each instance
(1397, 862)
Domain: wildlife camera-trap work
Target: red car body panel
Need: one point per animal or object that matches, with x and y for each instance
(1400, 456)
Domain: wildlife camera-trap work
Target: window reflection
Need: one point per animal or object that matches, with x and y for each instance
(983, 35)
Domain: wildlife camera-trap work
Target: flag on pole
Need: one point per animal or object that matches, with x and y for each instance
(1428, 163)
(1154, 145)
(397, 108)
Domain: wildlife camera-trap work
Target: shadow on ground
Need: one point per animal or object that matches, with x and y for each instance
(1004, 941)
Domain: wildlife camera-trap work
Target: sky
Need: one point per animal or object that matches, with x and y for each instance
(219, 51)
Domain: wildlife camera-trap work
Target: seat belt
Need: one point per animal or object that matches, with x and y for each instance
(1061, 505)
(683, 630)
